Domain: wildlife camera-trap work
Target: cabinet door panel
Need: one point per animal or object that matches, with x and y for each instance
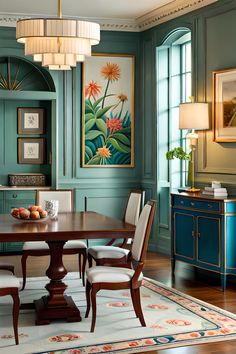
(208, 237)
(184, 234)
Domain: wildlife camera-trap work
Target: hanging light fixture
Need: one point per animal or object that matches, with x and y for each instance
(59, 43)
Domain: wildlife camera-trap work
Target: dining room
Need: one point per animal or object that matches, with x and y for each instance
(93, 133)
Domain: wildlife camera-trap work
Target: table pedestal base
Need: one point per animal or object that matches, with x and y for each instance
(45, 313)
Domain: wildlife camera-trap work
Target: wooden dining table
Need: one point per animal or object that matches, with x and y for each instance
(68, 226)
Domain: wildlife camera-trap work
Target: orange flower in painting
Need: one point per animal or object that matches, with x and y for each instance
(111, 72)
(103, 152)
(92, 89)
(122, 97)
(114, 124)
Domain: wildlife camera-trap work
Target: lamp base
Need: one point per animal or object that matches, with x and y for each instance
(192, 190)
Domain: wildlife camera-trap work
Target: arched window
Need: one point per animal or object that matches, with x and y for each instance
(173, 87)
(173, 67)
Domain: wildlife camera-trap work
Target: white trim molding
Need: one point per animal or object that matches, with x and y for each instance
(167, 12)
(162, 14)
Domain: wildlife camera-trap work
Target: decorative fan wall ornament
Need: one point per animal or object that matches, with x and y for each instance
(11, 77)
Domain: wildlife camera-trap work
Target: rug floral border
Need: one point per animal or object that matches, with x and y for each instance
(224, 321)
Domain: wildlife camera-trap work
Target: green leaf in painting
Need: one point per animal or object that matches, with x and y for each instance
(88, 116)
(92, 134)
(102, 111)
(89, 125)
(88, 151)
(121, 137)
(95, 160)
(119, 146)
(101, 125)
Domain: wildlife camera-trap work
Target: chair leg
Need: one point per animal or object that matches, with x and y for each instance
(90, 260)
(83, 266)
(15, 315)
(94, 308)
(133, 301)
(23, 267)
(138, 306)
(87, 292)
(80, 255)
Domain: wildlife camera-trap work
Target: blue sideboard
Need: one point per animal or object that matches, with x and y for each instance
(204, 232)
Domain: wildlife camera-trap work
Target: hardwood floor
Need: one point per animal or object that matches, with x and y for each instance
(202, 285)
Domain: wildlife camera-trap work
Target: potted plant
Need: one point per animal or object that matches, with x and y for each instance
(180, 154)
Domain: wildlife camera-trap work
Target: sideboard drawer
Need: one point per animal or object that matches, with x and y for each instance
(19, 195)
(196, 204)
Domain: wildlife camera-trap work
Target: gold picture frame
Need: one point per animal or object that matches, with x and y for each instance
(224, 105)
(108, 111)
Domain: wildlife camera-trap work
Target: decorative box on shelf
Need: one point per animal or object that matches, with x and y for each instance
(27, 179)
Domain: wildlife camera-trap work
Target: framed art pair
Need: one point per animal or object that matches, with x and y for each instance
(31, 150)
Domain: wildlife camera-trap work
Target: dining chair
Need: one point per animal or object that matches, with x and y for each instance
(9, 285)
(40, 248)
(111, 255)
(117, 278)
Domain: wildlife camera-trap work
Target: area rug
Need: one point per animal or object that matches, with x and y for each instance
(173, 319)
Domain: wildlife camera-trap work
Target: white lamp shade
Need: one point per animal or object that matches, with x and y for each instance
(194, 115)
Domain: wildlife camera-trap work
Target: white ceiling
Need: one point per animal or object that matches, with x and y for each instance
(114, 15)
(122, 9)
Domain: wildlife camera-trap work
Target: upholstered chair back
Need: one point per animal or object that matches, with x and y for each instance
(133, 207)
(140, 232)
(63, 196)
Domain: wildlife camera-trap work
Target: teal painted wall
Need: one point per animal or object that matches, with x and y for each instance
(106, 189)
(101, 189)
(214, 47)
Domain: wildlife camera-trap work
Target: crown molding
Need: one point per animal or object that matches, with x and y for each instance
(165, 13)
(174, 9)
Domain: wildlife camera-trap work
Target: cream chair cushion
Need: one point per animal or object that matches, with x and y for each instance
(42, 245)
(114, 252)
(103, 274)
(8, 280)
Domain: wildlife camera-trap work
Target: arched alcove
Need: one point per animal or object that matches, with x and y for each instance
(17, 74)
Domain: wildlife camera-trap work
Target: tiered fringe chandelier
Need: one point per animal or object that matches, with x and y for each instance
(59, 43)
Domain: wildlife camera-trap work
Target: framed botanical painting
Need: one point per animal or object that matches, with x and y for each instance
(108, 111)
(31, 150)
(224, 105)
(31, 120)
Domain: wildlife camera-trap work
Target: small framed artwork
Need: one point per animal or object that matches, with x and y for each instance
(31, 150)
(31, 120)
(108, 111)
(224, 105)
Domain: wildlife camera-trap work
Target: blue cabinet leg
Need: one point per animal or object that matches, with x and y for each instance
(223, 282)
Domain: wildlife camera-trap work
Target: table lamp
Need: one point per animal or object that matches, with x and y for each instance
(194, 116)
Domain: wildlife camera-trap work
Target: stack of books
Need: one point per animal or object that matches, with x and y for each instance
(217, 192)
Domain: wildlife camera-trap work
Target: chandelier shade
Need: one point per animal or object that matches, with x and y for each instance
(59, 43)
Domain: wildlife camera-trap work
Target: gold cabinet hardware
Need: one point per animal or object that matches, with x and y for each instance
(198, 234)
(193, 233)
(192, 203)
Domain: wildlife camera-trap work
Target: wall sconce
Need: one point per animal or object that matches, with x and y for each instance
(194, 116)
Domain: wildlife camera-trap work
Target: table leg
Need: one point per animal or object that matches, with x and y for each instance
(56, 305)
